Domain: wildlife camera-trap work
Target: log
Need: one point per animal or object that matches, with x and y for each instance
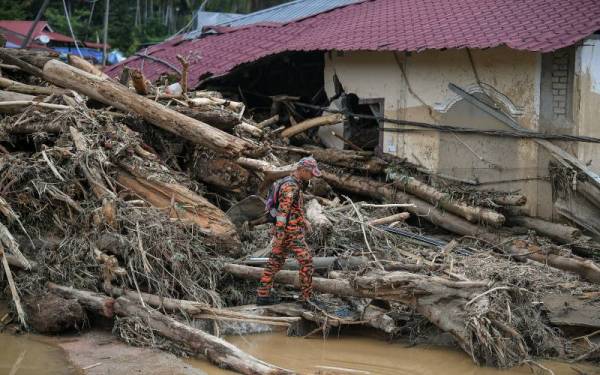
(200, 343)
(185, 66)
(140, 84)
(337, 263)
(390, 219)
(221, 173)
(9, 96)
(268, 122)
(220, 118)
(252, 130)
(14, 86)
(312, 123)
(589, 192)
(441, 301)
(212, 101)
(86, 66)
(98, 303)
(422, 209)
(585, 268)
(190, 208)
(120, 97)
(510, 200)
(17, 106)
(558, 232)
(360, 161)
(437, 198)
(36, 58)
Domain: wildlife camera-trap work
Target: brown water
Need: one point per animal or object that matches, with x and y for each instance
(362, 355)
(24, 355)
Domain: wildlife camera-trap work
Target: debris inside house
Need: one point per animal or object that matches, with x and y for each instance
(143, 203)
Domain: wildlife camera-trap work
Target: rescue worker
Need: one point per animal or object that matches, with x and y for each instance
(289, 230)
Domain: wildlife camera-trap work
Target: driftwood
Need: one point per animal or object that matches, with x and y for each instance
(268, 122)
(422, 209)
(435, 197)
(250, 129)
(212, 101)
(585, 268)
(29, 61)
(221, 173)
(220, 118)
(200, 343)
(312, 123)
(16, 106)
(190, 208)
(390, 219)
(98, 303)
(441, 301)
(86, 66)
(120, 97)
(14, 86)
(559, 232)
(340, 263)
(10, 96)
(360, 161)
(316, 217)
(570, 311)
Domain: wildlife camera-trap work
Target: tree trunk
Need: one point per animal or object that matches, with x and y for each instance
(86, 66)
(190, 208)
(18, 106)
(585, 268)
(122, 98)
(441, 301)
(312, 123)
(435, 197)
(32, 57)
(360, 161)
(221, 173)
(96, 302)
(10, 96)
(390, 219)
(220, 118)
(212, 101)
(217, 350)
(319, 222)
(422, 209)
(559, 232)
(14, 86)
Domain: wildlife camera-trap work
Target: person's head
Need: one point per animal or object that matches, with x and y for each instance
(307, 168)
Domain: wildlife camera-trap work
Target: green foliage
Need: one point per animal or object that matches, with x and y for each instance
(123, 33)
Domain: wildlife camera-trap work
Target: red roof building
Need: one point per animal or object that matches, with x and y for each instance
(16, 31)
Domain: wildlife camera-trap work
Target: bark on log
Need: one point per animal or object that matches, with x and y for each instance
(360, 161)
(319, 222)
(14, 86)
(218, 351)
(211, 101)
(29, 61)
(312, 123)
(252, 130)
(122, 98)
(422, 209)
(338, 263)
(585, 268)
(221, 118)
(436, 197)
(9, 96)
(86, 66)
(96, 302)
(191, 208)
(589, 192)
(441, 301)
(559, 232)
(222, 173)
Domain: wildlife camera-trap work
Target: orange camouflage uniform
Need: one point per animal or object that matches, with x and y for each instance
(289, 237)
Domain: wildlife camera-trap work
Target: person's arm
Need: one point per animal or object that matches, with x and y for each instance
(287, 192)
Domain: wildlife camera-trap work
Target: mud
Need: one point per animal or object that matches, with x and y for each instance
(354, 354)
(24, 355)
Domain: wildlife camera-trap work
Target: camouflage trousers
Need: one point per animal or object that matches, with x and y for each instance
(292, 242)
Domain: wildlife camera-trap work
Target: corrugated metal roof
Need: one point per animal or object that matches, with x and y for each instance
(294, 10)
(384, 25)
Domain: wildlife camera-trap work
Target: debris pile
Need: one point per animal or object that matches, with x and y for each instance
(113, 196)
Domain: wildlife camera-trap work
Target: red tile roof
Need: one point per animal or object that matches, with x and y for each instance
(385, 25)
(22, 27)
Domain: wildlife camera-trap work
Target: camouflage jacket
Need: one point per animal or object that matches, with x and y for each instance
(290, 210)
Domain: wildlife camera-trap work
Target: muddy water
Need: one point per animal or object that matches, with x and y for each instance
(24, 355)
(361, 355)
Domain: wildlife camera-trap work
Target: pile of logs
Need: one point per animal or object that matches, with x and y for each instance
(150, 147)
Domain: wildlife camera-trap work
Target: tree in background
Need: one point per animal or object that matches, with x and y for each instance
(132, 23)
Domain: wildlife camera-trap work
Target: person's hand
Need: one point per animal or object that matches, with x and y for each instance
(308, 226)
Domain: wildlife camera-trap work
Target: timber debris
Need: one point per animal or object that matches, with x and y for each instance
(113, 197)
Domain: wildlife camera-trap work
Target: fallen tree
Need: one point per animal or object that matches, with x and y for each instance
(559, 232)
(118, 96)
(312, 123)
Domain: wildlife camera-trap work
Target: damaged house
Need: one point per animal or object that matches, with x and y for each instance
(486, 65)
